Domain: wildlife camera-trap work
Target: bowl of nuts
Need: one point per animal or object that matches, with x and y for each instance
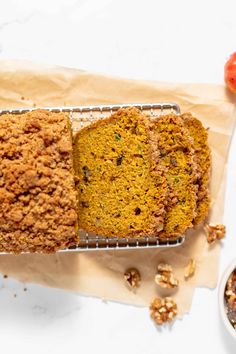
(227, 299)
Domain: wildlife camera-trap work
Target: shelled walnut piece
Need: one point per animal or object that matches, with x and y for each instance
(163, 310)
(190, 269)
(215, 232)
(165, 277)
(230, 297)
(132, 278)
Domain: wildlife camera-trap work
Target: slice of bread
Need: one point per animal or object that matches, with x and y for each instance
(37, 190)
(177, 155)
(203, 158)
(121, 184)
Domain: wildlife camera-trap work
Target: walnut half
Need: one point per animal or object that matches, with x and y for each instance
(163, 310)
(190, 269)
(215, 232)
(132, 278)
(165, 277)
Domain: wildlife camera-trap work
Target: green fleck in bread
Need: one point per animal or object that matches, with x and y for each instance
(38, 206)
(121, 186)
(177, 155)
(203, 158)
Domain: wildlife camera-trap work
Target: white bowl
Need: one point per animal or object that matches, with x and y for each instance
(222, 304)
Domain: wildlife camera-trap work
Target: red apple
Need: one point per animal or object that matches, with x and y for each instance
(230, 73)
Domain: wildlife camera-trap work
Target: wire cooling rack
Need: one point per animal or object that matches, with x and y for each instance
(82, 116)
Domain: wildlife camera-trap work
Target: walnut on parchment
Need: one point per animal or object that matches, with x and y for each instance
(165, 277)
(189, 271)
(163, 310)
(214, 232)
(132, 278)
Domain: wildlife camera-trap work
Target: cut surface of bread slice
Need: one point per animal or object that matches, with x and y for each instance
(121, 185)
(203, 158)
(38, 206)
(177, 155)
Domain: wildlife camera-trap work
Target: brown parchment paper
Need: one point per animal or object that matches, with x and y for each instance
(24, 84)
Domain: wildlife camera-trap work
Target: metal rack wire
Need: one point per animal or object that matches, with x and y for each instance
(81, 116)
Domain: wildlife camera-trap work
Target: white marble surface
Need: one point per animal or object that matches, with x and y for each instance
(184, 40)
